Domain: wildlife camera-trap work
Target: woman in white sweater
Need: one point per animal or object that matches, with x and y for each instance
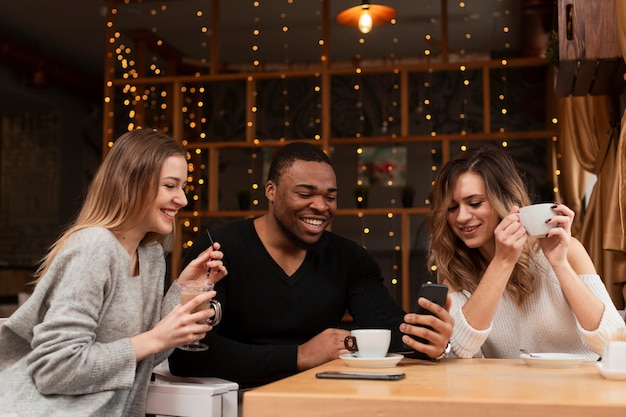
(86, 341)
(510, 291)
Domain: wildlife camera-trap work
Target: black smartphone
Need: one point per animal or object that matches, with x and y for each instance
(393, 376)
(437, 293)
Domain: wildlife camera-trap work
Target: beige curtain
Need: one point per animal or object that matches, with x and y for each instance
(590, 139)
(589, 135)
(572, 187)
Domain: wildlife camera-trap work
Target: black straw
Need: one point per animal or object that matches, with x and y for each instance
(208, 272)
(210, 238)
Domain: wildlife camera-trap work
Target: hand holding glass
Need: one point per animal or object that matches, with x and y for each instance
(189, 290)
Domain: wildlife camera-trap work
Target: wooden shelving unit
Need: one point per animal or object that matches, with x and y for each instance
(173, 118)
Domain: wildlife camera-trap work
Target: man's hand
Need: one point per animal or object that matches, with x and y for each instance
(441, 325)
(324, 347)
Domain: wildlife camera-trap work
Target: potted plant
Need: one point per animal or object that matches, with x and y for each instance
(407, 194)
(361, 192)
(552, 49)
(244, 196)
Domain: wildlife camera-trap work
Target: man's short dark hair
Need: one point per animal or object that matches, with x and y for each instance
(292, 152)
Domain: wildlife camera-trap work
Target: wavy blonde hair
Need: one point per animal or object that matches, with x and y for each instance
(123, 188)
(462, 267)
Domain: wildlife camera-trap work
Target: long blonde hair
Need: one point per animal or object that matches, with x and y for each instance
(123, 188)
(457, 264)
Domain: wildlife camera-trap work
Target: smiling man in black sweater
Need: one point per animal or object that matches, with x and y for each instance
(290, 282)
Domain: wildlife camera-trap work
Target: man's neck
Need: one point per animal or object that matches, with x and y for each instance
(284, 252)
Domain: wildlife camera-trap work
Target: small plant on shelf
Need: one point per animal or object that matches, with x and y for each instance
(552, 49)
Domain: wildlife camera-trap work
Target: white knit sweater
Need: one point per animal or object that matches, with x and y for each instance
(544, 323)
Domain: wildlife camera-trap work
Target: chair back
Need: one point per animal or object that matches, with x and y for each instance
(191, 397)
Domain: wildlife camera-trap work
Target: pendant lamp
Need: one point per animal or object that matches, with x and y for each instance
(366, 16)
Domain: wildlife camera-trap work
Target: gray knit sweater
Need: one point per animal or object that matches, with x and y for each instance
(67, 350)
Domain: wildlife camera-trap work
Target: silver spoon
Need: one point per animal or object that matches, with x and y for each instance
(528, 353)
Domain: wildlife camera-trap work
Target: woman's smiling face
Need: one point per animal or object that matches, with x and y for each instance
(170, 197)
(470, 215)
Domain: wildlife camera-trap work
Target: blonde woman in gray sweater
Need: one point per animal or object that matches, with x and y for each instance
(86, 341)
(510, 291)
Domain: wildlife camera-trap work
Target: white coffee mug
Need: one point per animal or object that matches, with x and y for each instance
(368, 343)
(534, 219)
(614, 355)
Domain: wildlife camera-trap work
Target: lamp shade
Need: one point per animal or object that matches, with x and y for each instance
(379, 15)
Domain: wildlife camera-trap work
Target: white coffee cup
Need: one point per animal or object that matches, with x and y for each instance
(368, 343)
(534, 219)
(614, 355)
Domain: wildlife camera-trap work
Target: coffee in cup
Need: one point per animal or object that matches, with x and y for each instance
(368, 343)
(534, 219)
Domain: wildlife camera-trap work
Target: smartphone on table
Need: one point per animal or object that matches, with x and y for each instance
(437, 293)
(388, 376)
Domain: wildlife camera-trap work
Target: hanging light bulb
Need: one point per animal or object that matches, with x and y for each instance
(366, 15)
(365, 21)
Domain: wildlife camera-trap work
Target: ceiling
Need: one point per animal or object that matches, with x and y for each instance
(70, 33)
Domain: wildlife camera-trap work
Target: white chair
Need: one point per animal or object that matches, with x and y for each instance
(169, 395)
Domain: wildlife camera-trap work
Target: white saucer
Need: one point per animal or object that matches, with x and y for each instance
(610, 374)
(552, 360)
(389, 361)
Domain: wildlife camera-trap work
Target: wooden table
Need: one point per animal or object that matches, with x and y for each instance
(453, 387)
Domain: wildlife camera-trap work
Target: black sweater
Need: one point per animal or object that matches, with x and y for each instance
(267, 314)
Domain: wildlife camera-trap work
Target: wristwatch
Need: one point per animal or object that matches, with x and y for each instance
(443, 354)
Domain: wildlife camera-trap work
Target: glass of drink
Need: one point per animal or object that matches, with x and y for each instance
(190, 290)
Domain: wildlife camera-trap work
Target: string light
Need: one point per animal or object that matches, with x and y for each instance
(465, 101)
(256, 31)
(138, 102)
(285, 91)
